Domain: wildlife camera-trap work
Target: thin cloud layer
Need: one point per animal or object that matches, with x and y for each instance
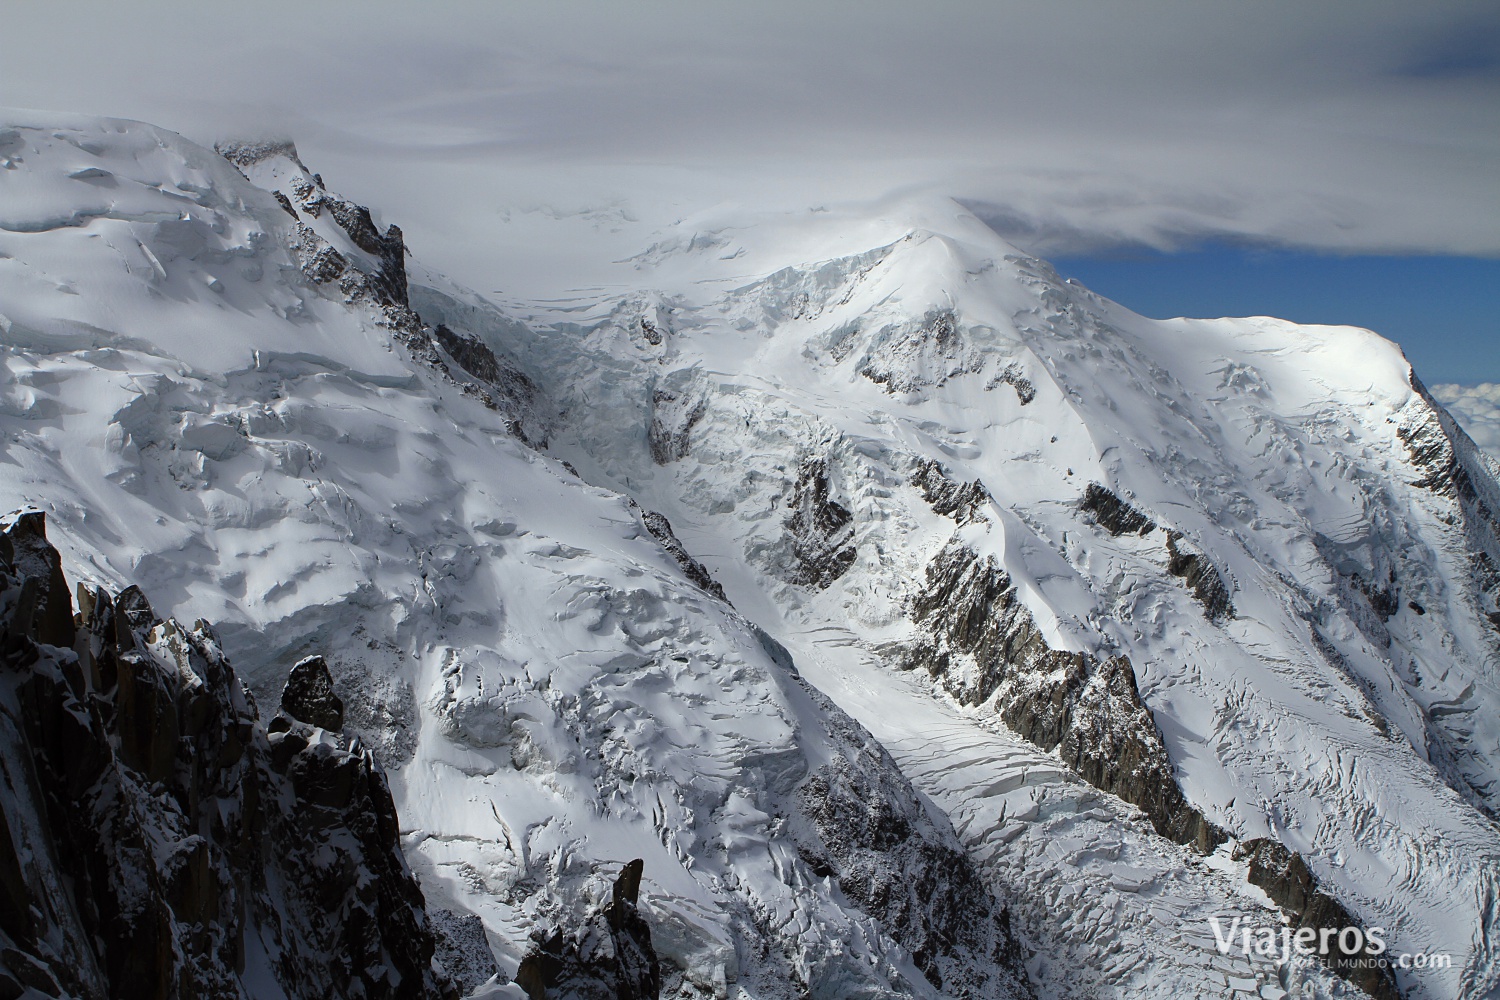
(1071, 127)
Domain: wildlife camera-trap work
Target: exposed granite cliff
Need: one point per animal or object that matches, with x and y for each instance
(1286, 878)
(977, 639)
(820, 528)
(156, 842)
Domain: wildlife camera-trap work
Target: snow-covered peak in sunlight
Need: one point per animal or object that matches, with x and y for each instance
(928, 625)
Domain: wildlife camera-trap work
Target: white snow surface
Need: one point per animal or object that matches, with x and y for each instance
(553, 697)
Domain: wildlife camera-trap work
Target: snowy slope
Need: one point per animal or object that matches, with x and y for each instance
(1310, 618)
(878, 431)
(224, 397)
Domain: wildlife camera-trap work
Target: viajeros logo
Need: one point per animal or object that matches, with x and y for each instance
(1349, 946)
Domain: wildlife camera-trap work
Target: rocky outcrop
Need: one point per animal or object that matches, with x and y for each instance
(673, 416)
(1450, 465)
(1201, 577)
(1011, 375)
(608, 958)
(1113, 514)
(1286, 878)
(308, 696)
(661, 530)
(961, 501)
(922, 356)
(155, 841)
(982, 645)
(305, 192)
(463, 949)
(373, 273)
(1438, 449)
(1117, 517)
(821, 530)
(503, 380)
(875, 839)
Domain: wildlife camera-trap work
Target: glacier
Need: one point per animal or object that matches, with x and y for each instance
(927, 624)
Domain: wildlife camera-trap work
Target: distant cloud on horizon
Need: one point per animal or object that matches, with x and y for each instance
(1477, 408)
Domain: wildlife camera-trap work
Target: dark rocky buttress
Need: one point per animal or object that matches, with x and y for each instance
(155, 842)
(1286, 878)
(977, 639)
(608, 957)
(820, 528)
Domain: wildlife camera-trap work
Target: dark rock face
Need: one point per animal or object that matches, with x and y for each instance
(1201, 578)
(1113, 514)
(980, 642)
(961, 501)
(361, 913)
(463, 950)
(513, 386)
(661, 530)
(1450, 465)
(875, 839)
(650, 331)
(1286, 878)
(821, 529)
(609, 958)
(911, 359)
(319, 260)
(44, 609)
(247, 153)
(155, 843)
(1384, 598)
(1011, 376)
(1444, 456)
(673, 416)
(389, 248)
(1117, 517)
(308, 696)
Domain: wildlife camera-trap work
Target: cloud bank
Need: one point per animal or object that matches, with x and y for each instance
(1477, 408)
(1368, 127)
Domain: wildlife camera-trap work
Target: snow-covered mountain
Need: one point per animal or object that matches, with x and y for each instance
(927, 625)
(1289, 544)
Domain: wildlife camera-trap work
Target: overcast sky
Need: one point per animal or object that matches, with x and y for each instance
(1365, 126)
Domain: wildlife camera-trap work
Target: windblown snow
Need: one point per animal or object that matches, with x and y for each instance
(504, 523)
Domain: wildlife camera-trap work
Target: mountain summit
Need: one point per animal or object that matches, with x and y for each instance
(924, 624)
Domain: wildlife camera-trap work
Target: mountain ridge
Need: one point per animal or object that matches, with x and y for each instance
(491, 616)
